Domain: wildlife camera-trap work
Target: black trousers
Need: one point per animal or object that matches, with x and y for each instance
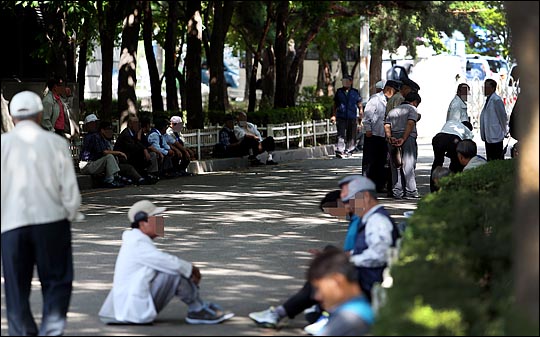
(494, 151)
(49, 247)
(374, 159)
(300, 301)
(444, 145)
(268, 145)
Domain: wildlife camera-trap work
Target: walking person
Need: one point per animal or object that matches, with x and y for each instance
(40, 196)
(493, 122)
(347, 110)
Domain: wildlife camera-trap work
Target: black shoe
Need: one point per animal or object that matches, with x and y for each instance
(114, 184)
(339, 154)
(256, 162)
(271, 162)
(412, 197)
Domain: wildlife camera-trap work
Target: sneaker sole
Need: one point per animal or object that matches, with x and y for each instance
(264, 324)
(206, 321)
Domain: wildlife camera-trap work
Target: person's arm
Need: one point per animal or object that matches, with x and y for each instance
(115, 153)
(369, 115)
(239, 132)
(500, 112)
(46, 119)
(152, 257)
(379, 239)
(408, 130)
(153, 139)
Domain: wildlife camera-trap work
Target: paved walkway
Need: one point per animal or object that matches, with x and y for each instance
(248, 230)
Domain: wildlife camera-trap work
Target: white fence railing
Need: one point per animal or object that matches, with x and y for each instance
(290, 133)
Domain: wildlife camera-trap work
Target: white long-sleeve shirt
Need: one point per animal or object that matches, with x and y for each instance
(374, 115)
(240, 132)
(130, 299)
(39, 184)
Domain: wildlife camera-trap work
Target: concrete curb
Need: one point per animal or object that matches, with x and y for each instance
(228, 164)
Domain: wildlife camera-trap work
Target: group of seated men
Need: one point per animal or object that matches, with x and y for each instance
(141, 154)
(243, 139)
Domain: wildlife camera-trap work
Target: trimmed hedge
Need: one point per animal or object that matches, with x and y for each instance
(454, 274)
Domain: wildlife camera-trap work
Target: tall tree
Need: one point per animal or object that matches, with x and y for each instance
(170, 56)
(155, 82)
(109, 15)
(223, 12)
(523, 21)
(280, 48)
(195, 114)
(127, 76)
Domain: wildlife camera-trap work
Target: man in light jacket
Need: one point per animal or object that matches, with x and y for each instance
(146, 279)
(40, 196)
(493, 122)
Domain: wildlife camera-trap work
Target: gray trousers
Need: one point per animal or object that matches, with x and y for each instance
(165, 286)
(404, 179)
(106, 164)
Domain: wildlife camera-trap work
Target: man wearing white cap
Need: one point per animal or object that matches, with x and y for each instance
(176, 141)
(40, 197)
(376, 231)
(146, 279)
(379, 86)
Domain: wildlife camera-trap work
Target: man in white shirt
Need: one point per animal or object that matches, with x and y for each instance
(146, 279)
(40, 197)
(493, 122)
(457, 110)
(251, 139)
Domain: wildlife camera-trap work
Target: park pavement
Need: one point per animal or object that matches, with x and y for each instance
(249, 231)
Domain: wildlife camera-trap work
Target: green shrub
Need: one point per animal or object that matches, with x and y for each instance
(454, 273)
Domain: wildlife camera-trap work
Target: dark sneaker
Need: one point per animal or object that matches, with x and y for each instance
(412, 196)
(207, 315)
(271, 162)
(256, 162)
(114, 184)
(339, 154)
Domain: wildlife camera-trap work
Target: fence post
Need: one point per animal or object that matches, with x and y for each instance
(302, 134)
(199, 143)
(314, 133)
(327, 131)
(287, 134)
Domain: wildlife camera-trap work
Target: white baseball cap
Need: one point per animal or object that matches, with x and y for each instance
(90, 118)
(379, 85)
(358, 184)
(176, 119)
(146, 207)
(25, 103)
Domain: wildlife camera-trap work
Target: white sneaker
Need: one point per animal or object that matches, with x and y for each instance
(267, 318)
(315, 328)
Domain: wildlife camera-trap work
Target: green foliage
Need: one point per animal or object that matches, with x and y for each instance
(454, 276)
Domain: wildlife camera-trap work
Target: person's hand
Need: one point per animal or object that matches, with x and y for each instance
(122, 154)
(369, 133)
(147, 156)
(314, 251)
(419, 116)
(68, 91)
(333, 119)
(399, 142)
(170, 152)
(195, 275)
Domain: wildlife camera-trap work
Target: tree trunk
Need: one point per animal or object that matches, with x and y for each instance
(155, 83)
(81, 71)
(375, 66)
(268, 73)
(56, 30)
(217, 99)
(256, 59)
(248, 63)
(170, 54)
(294, 75)
(280, 47)
(343, 58)
(193, 66)
(524, 26)
(127, 75)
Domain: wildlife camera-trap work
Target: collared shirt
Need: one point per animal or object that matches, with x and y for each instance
(173, 136)
(93, 146)
(138, 261)
(493, 120)
(475, 162)
(378, 230)
(240, 132)
(457, 110)
(159, 141)
(346, 103)
(399, 117)
(374, 114)
(227, 136)
(35, 188)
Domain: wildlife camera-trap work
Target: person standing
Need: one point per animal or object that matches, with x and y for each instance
(493, 122)
(457, 110)
(347, 110)
(375, 149)
(40, 197)
(55, 109)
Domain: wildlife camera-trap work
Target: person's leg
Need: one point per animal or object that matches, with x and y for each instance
(409, 163)
(380, 151)
(300, 301)
(165, 286)
(352, 129)
(18, 264)
(455, 166)
(127, 170)
(494, 151)
(111, 167)
(439, 150)
(341, 125)
(395, 169)
(54, 261)
(368, 158)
